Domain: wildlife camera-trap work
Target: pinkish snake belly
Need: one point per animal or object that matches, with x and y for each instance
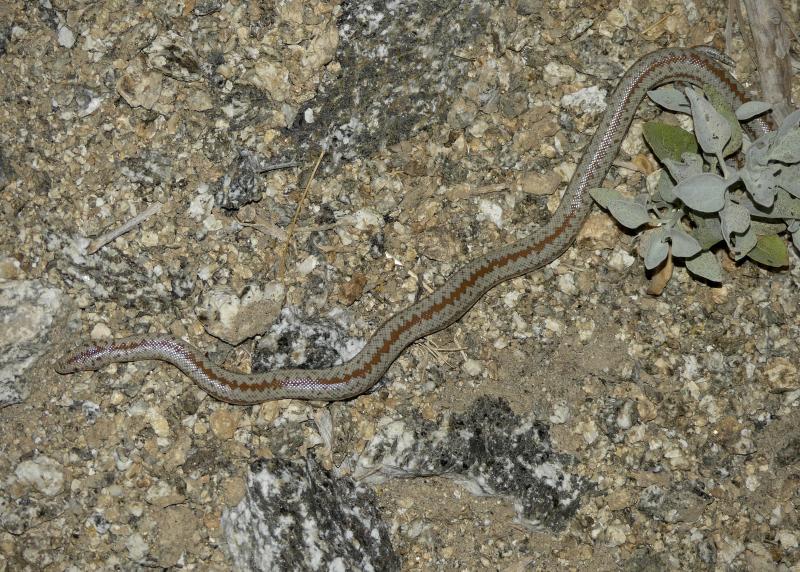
(699, 66)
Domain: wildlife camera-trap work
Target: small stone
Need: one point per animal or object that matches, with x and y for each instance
(149, 238)
(137, 547)
(367, 219)
(619, 500)
(322, 49)
(43, 473)
(601, 229)
(235, 319)
(158, 422)
(586, 329)
(9, 268)
(620, 260)
(616, 18)
(728, 549)
(352, 290)
(338, 520)
(555, 74)
(461, 114)
(526, 140)
(99, 332)
(272, 78)
(308, 265)
(787, 540)
(588, 430)
(616, 534)
(472, 367)
(561, 414)
(554, 325)
(224, 423)
(162, 494)
(139, 88)
(66, 37)
(491, 211)
(566, 283)
(199, 101)
(540, 183)
(781, 375)
(29, 312)
(588, 100)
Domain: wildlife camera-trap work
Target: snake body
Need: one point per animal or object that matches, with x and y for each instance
(699, 66)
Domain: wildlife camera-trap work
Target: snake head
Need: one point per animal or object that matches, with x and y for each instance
(84, 358)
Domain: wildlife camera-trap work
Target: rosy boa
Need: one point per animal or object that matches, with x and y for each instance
(699, 66)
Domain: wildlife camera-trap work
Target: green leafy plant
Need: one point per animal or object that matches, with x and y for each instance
(703, 198)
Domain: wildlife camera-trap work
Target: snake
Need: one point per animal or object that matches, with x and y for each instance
(700, 66)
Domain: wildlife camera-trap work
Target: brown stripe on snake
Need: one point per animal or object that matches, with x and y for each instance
(699, 66)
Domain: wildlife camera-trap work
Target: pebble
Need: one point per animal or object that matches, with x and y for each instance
(472, 367)
(100, 331)
(43, 473)
(224, 423)
(66, 37)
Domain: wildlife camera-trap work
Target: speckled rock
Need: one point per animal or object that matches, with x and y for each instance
(296, 342)
(28, 312)
(296, 516)
(490, 450)
(397, 96)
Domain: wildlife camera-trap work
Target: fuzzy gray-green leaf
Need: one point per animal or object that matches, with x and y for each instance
(668, 141)
(705, 265)
(602, 196)
(788, 179)
(711, 128)
(721, 104)
(791, 122)
(770, 251)
(690, 164)
(788, 149)
(664, 188)
(735, 218)
(756, 155)
(750, 109)
(762, 228)
(657, 251)
(704, 192)
(759, 184)
(628, 213)
(684, 245)
(741, 244)
(784, 207)
(707, 229)
(670, 98)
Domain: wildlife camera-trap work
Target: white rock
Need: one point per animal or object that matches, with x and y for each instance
(100, 332)
(137, 547)
(472, 367)
(788, 540)
(66, 37)
(43, 473)
(587, 100)
(492, 212)
(566, 283)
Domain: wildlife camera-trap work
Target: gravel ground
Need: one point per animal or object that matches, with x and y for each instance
(446, 131)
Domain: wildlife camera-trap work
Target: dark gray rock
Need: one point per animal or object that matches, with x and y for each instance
(401, 66)
(489, 449)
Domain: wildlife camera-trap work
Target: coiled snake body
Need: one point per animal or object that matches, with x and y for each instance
(699, 66)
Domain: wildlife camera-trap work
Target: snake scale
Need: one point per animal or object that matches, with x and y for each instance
(699, 66)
